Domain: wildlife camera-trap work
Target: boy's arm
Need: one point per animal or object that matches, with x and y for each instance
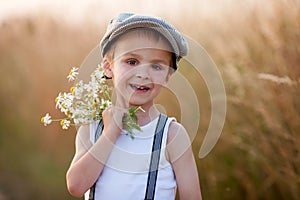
(181, 156)
(89, 160)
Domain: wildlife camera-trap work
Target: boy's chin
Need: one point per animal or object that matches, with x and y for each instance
(135, 102)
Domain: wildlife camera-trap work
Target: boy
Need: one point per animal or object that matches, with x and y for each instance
(140, 53)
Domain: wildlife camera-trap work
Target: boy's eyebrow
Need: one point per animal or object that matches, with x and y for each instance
(131, 54)
(164, 62)
(155, 60)
(127, 54)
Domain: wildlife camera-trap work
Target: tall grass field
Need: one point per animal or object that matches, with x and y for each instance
(256, 47)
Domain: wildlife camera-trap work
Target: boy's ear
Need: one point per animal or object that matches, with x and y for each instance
(107, 68)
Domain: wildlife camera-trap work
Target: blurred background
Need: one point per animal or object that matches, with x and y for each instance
(255, 44)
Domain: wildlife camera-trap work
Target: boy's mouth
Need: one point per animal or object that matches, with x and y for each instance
(141, 88)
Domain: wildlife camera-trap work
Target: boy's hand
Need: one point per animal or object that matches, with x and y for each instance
(113, 116)
(112, 119)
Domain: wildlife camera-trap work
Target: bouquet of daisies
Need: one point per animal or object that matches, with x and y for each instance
(85, 102)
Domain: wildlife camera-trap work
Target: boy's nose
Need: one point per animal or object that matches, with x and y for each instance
(142, 72)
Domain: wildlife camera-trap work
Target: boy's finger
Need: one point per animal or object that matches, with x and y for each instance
(120, 100)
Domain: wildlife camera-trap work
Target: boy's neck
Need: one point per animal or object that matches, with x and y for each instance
(150, 114)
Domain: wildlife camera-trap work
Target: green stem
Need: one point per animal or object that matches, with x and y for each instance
(108, 95)
(58, 120)
(139, 108)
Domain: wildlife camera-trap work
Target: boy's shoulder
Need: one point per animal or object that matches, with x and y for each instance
(178, 141)
(176, 129)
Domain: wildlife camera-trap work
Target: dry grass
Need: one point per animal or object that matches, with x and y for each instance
(260, 142)
(257, 156)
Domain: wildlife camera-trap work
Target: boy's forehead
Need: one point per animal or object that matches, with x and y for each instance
(135, 41)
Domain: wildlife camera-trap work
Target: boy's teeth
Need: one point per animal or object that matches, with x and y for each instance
(140, 87)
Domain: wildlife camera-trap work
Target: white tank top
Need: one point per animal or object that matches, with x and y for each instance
(126, 171)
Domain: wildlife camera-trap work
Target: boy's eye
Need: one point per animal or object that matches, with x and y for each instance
(132, 62)
(156, 67)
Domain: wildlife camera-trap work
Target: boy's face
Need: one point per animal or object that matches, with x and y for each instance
(141, 67)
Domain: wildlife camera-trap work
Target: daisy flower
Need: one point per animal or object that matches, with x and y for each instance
(73, 73)
(46, 120)
(65, 124)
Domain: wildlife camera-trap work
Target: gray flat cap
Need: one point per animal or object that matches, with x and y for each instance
(128, 21)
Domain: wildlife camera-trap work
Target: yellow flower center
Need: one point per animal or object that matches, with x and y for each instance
(95, 105)
(72, 90)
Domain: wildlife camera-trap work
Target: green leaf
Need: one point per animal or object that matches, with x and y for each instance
(130, 121)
